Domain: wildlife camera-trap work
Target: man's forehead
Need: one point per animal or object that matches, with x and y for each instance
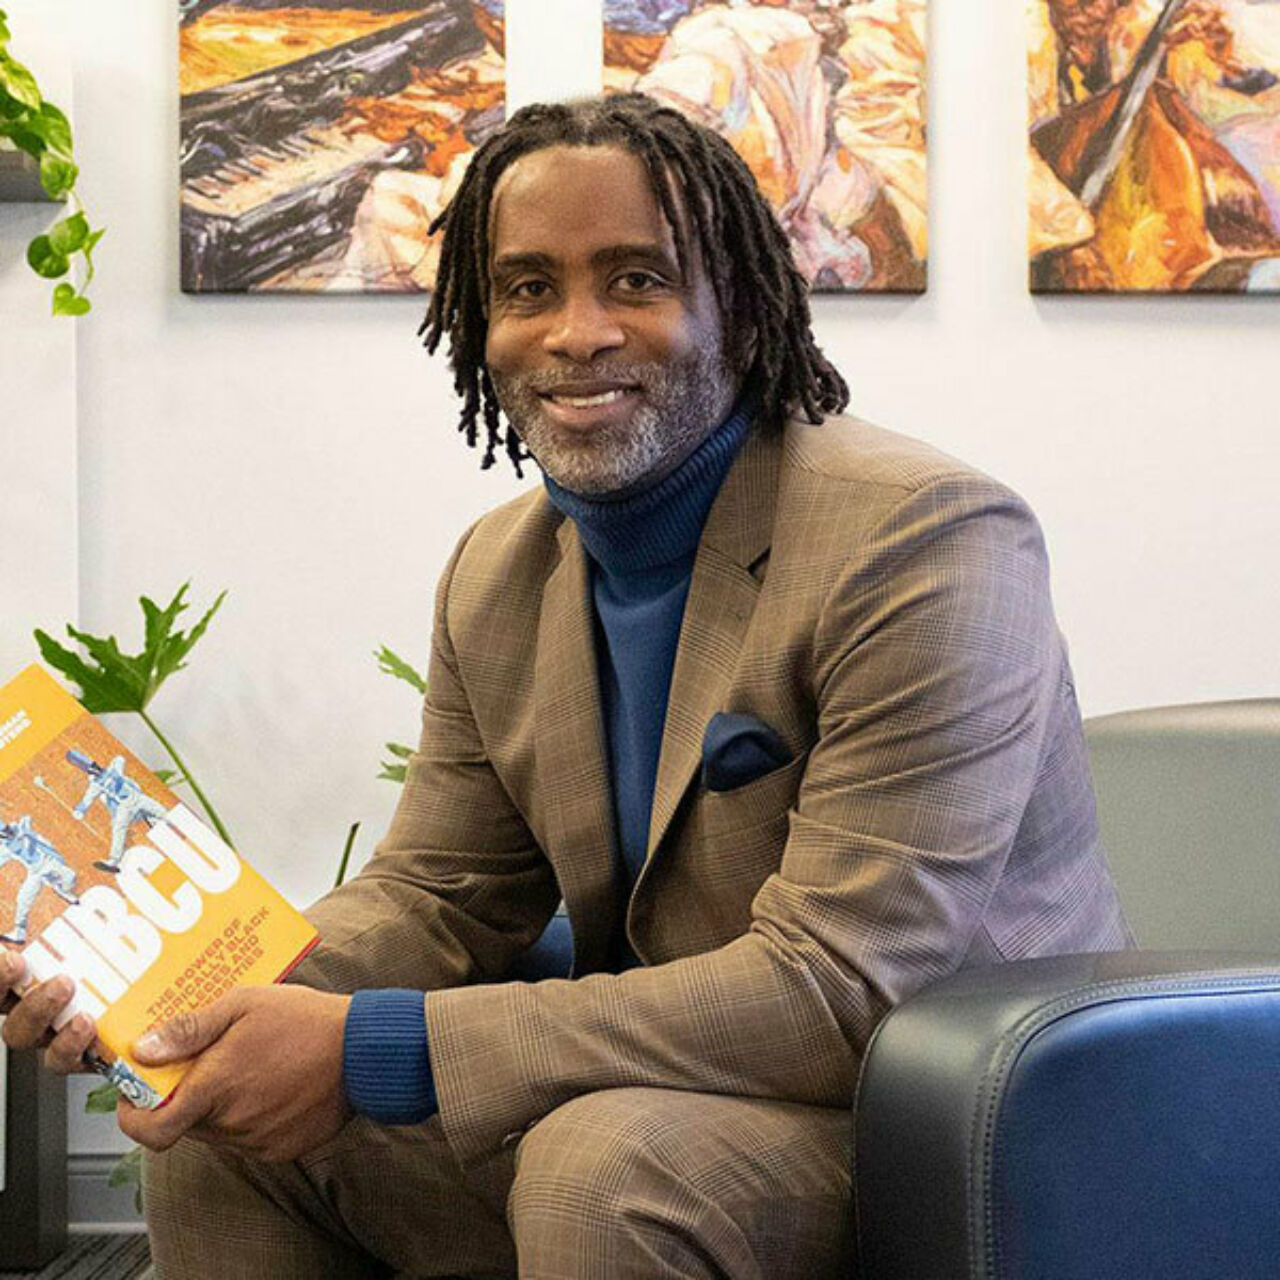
(563, 201)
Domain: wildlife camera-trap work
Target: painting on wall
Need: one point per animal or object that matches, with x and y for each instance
(319, 139)
(1155, 146)
(824, 99)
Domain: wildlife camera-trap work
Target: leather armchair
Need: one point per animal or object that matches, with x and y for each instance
(1106, 1116)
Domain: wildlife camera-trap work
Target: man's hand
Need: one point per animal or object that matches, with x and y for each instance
(28, 1022)
(266, 1079)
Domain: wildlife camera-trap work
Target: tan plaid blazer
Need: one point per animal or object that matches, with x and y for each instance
(886, 610)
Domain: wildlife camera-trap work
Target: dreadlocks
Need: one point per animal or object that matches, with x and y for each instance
(762, 298)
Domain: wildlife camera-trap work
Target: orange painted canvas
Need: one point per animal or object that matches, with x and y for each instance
(1154, 146)
(319, 140)
(107, 876)
(824, 99)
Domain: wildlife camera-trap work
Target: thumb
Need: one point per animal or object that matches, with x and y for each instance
(186, 1035)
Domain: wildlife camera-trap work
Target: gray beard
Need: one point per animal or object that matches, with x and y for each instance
(681, 407)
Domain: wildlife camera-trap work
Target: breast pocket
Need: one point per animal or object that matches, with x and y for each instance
(755, 811)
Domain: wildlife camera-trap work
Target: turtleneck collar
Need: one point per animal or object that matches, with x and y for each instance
(660, 525)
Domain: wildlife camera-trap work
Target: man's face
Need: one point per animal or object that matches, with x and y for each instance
(608, 363)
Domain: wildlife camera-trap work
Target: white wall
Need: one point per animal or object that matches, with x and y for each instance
(301, 451)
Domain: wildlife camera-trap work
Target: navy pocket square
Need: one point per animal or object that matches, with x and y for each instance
(737, 749)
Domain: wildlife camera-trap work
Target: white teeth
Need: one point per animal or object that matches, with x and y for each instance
(589, 402)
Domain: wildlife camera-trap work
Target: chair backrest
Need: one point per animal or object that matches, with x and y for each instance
(1189, 807)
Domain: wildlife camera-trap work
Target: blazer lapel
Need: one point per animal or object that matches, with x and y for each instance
(722, 597)
(570, 757)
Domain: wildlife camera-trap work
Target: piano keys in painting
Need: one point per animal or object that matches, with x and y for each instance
(319, 140)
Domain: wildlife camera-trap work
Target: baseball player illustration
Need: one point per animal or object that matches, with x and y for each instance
(122, 798)
(46, 869)
(131, 1085)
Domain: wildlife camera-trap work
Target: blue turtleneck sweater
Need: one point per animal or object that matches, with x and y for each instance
(641, 551)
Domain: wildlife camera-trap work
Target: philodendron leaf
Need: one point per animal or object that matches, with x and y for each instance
(394, 665)
(102, 1100)
(170, 777)
(18, 82)
(128, 1169)
(45, 260)
(54, 127)
(69, 234)
(67, 302)
(166, 648)
(115, 681)
(395, 772)
(23, 137)
(4, 30)
(57, 175)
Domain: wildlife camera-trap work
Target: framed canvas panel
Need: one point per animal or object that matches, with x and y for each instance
(1154, 146)
(824, 99)
(319, 140)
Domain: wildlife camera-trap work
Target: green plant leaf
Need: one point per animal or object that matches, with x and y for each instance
(167, 648)
(57, 175)
(4, 30)
(67, 302)
(45, 260)
(170, 777)
(91, 243)
(394, 665)
(128, 1169)
(116, 681)
(392, 772)
(54, 127)
(23, 137)
(18, 82)
(346, 855)
(102, 1100)
(112, 685)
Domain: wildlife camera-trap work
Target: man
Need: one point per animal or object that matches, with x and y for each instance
(45, 868)
(779, 708)
(124, 800)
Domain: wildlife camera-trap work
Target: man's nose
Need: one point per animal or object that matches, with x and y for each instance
(583, 327)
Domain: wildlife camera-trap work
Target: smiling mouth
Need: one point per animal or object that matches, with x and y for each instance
(592, 400)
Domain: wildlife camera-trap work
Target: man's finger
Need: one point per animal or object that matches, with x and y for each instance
(188, 1034)
(159, 1129)
(29, 1022)
(65, 1053)
(13, 970)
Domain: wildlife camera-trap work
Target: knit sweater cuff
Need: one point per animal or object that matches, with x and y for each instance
(386, 1066)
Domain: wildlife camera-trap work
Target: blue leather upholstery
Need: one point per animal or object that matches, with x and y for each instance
(1141, 1137)
(1076, 1118)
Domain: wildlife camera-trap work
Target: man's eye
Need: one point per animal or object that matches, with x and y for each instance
(638, 281)
(530, 290)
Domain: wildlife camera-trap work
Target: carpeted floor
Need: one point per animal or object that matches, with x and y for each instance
(117, 1257)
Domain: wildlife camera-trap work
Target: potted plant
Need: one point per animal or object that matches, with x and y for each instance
(38, 134)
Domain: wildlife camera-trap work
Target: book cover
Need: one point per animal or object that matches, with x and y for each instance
(109, 877)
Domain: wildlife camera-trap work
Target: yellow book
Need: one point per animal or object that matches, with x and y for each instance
(107, 876)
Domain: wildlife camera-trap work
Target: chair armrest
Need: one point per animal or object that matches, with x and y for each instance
(1094, 1116)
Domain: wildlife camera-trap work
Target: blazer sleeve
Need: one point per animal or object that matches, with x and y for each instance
(458, 887)
(934, 669)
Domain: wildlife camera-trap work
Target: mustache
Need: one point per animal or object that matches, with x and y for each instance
(542, 381)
